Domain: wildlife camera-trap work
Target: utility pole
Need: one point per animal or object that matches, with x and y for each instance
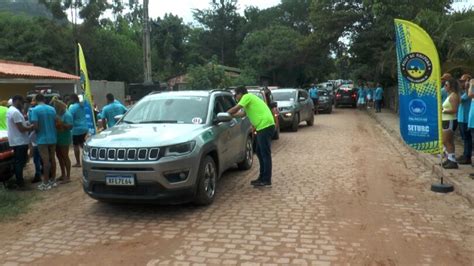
(146, 46)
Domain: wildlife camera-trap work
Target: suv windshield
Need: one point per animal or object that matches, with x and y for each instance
(284, 95)
(169, 109)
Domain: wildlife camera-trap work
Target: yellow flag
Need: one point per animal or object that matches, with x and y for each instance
(419, 84)
(86, 88)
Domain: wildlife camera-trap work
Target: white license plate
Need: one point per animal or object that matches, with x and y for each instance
(346, 97)
(120, 180)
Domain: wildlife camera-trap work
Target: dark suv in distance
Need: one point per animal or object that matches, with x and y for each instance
(170, 147)
(295, 106)
(346, 96)
(325, 101)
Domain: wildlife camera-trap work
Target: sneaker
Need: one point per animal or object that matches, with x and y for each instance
(464, 161)
(262, 184)
(451, 165)
(253, 182)
(52, 183)
(445, 162)
(44, 187)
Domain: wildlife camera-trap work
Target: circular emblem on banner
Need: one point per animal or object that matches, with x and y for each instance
(417, 107)
(416, 67)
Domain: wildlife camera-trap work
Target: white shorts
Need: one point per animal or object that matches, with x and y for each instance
(361, 101)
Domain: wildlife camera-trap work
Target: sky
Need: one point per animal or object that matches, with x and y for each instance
(183, 8)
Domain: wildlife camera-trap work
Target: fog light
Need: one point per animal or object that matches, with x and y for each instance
(287, 114)
(175, 177)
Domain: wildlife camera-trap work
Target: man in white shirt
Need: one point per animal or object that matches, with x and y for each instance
(18, 137)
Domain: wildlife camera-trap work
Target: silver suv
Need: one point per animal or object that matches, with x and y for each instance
(171, 147)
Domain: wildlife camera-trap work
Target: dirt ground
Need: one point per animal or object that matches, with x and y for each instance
(344, 192)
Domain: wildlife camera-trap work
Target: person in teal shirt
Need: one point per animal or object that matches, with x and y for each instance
(111, 110)
(64, 139)
(43, 118)
(463, 118)
(378, 96)
(79, 128)
(361, 94)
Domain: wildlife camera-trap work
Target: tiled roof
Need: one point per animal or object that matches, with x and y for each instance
(11, 69)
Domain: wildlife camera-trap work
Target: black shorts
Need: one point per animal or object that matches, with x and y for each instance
(79, 139)
(450, 125)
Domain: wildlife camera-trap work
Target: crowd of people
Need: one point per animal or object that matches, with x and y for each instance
(369, 97)
(45, 130)
(457, 111)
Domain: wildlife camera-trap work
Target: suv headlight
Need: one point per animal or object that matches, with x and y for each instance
(86, 150)
(180, 149)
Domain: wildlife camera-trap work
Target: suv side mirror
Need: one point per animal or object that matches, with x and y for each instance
(273, 105)
(223, 117)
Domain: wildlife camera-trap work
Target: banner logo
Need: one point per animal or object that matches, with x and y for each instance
(416, 67)
(417, 107)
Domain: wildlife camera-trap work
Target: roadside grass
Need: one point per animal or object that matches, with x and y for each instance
(13, 203)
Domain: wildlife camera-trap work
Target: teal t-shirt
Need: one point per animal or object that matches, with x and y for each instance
(45, 116)
(78, 113)
(64, 136)
(110, 111)
(257, 111)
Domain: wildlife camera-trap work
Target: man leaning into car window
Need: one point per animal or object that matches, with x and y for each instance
(262, 119)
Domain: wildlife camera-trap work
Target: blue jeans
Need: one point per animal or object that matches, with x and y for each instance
(37, 162)
(264, 153)
(378, 105)
(467, 138)
(20, 158)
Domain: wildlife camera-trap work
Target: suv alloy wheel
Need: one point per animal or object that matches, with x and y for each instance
(207, 180)
(248, 160)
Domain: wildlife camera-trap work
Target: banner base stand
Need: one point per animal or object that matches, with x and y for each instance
(442, 188)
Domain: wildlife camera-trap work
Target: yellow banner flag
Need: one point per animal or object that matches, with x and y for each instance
(86, 88)
(419, 85)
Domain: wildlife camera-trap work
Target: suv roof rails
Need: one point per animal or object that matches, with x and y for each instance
(218, 90)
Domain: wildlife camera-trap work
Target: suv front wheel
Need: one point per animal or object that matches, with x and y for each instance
(207, 180)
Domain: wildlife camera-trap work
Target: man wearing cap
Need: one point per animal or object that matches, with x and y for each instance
(18, 137)
(463, 117)
(262, 119)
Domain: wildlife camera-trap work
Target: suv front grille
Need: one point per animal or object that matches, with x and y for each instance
(122, 154)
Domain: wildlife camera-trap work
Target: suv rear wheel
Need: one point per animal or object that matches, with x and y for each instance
(310, 122)
(207, 180)
(248, 160)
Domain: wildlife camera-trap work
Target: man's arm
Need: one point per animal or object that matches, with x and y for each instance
(234, 110)
(23, 128)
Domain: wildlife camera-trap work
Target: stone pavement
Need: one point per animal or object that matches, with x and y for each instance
(463, 184)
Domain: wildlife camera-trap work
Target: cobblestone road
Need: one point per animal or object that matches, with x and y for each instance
(343, 192)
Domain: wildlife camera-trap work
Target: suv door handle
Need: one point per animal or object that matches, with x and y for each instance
(233, 123)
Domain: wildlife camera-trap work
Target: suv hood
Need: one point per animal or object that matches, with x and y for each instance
(145, 135)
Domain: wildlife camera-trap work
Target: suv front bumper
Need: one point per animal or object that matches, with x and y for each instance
(151, 182)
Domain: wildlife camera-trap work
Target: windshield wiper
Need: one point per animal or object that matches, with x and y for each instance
(158, 122)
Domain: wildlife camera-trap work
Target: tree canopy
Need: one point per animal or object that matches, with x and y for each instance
(293, 43)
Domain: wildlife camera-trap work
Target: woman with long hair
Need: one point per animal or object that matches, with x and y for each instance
(64, 139)
(450, 123)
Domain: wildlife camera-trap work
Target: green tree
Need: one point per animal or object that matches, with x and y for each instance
(208, 76)
(36, 40)
(169, 46)
(274, 51)
(222, 33)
